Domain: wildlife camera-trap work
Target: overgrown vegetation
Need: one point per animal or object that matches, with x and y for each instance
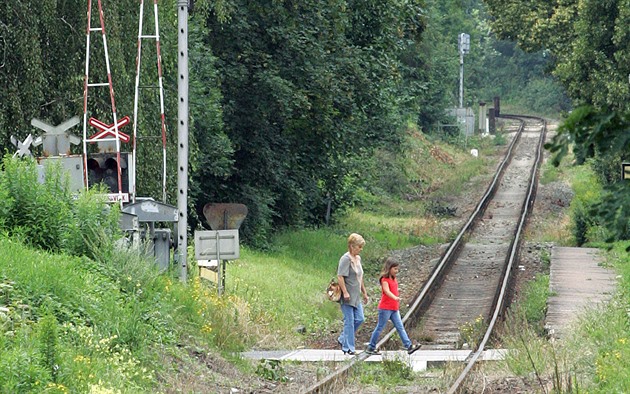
(590, 357)
(49, 215)
(80, 314)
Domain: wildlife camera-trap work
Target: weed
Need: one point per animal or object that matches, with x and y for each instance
(427, 338)
(472, 332)
(271, 370)
(545, 257)
(397, 368)
(48, 344)
(499, 139)
(533, 302)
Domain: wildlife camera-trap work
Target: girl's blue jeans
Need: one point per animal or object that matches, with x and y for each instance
(352, 319)
(383, 316)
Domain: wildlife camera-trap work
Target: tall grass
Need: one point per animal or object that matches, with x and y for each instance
(607, 330)
(102, 323)
(49, 215)
(285, 287)
(591, 357)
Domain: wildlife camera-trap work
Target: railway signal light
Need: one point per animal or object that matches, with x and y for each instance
(103, 168)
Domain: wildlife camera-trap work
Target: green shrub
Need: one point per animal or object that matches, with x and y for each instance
(588, 191)
(48, 215)
(92, 225)
(38, 211)
(271, 370)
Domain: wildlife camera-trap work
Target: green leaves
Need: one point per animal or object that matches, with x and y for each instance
(308, 93)
(603, 138)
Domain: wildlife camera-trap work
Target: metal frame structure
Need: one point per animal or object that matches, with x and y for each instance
(156, 37)
(110, 129)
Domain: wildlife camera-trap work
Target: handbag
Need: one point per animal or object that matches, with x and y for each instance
(333, 291)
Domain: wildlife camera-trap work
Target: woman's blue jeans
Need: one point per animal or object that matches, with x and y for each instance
(352, 319)
(383, 316)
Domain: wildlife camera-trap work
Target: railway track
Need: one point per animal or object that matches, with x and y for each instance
(471, 282)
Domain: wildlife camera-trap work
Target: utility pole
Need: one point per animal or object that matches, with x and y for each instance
(464, 48)
(182, 136)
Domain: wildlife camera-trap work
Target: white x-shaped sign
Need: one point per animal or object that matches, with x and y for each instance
(23, 147)
(108, 130)
(56, 139)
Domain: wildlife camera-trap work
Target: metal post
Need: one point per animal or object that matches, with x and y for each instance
(491, 121)
(220, 267)
(182, 136)
(497, 106)
(223, 262)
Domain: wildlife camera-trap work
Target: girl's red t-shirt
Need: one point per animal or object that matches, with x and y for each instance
(386, 302)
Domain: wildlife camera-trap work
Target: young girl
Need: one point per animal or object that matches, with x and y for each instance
(388, 308)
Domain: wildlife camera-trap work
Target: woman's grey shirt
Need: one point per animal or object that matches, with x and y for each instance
(351, 278)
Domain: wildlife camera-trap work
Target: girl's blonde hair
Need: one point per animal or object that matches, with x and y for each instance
(355, 240)
(390, 263)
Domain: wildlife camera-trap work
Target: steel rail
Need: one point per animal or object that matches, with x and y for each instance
(502, 295)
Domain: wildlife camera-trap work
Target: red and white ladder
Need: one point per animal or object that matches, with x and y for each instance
(108, 132)
(156, 37)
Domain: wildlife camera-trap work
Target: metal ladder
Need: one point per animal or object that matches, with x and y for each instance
(106, 129)
(156, 37)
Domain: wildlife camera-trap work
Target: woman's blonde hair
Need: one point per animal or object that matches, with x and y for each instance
(355, 240)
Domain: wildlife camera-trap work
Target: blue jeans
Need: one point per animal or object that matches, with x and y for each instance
(352, 319)
(383, 316)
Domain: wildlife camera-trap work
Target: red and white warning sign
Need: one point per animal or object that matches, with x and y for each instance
(109, 130)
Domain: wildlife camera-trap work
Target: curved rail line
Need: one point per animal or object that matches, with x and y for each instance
(427, 295)
(504, 289)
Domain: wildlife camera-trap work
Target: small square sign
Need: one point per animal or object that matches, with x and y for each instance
(219, 245)
(625, 171)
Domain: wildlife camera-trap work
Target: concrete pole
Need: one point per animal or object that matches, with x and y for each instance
(461, 79)
(182, 137)
(482, 117)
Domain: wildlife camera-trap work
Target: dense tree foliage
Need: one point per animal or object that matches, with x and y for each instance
(605, 137)
(496, 66)
(308, 93)
(291, 102)
(588, 41)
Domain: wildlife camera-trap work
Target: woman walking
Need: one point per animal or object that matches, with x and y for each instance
(350, 276)
(388, 308)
